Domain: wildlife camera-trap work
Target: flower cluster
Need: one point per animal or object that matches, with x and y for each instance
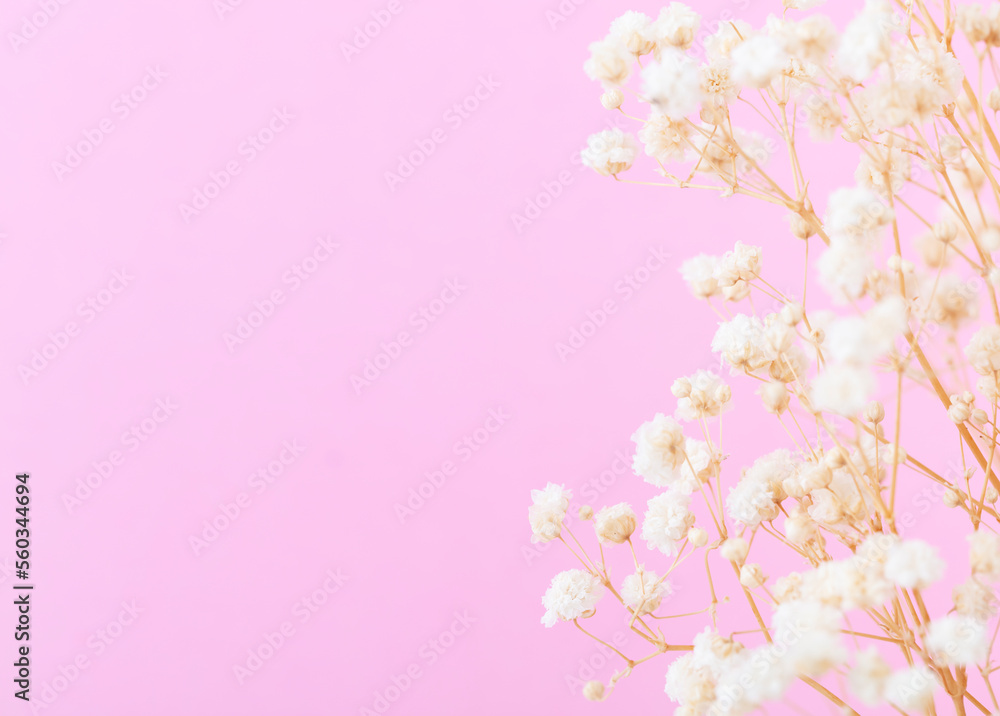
(905, 255)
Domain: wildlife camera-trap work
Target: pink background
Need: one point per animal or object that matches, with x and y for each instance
(334, 507)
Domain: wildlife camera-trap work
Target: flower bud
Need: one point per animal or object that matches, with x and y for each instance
(586, 512)
(979, 417)
(875, 412)
(945, 231)
(734, 549)
(959, 413)
(593, 691)
(752, 576)
(836, 457)
(992, 495)
(989, 239)
(893, 455)
(613, 98)
(952, 497)
(801, 227)
(697, 537)
(775, 397)
(792, 313)
(993, 100)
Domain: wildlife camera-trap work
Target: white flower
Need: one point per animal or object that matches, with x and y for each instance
(856, 215)
(955, 640)
(665, 139)
(868, 677)
(913, 564)
(866, 41)
(757, 61)
(729, 36)
(974, 599)
(984, 554)
(843, 389)
(547, 512)
(667, 521)
(912, 689)
(572, 594)
(672, 84)
(675, 27)
(741, 343)
(643, 591)
(932, 65)
(859, 340)
(702, 395)
(659, 450)
(844, 270)
(633, 31)
(615, 524)
(756, 496)
(609, 152)
(699, 274)
(811, 631)
(609, 62)
(983, 350)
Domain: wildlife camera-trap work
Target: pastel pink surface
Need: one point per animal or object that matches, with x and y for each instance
(334, 508)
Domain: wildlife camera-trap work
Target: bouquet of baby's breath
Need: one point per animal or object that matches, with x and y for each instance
(906, 257)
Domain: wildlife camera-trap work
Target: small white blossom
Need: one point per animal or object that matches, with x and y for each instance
(609, 152)
(572, 594)
(913, 564)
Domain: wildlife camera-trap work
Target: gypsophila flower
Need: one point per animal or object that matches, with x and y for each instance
(609, 152)
(633, 31)
(643, 591)
(615, 524)
(547, 512)
(701, 395)
(667, 521)
(699, 273)
(984, 554)
(983, 350)
(868, 677)
(957, 640)
(757, 61)
(913, 564)
(912, 689)
(572, 594)
(672, 84)
(659, 451)
(675, 27)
